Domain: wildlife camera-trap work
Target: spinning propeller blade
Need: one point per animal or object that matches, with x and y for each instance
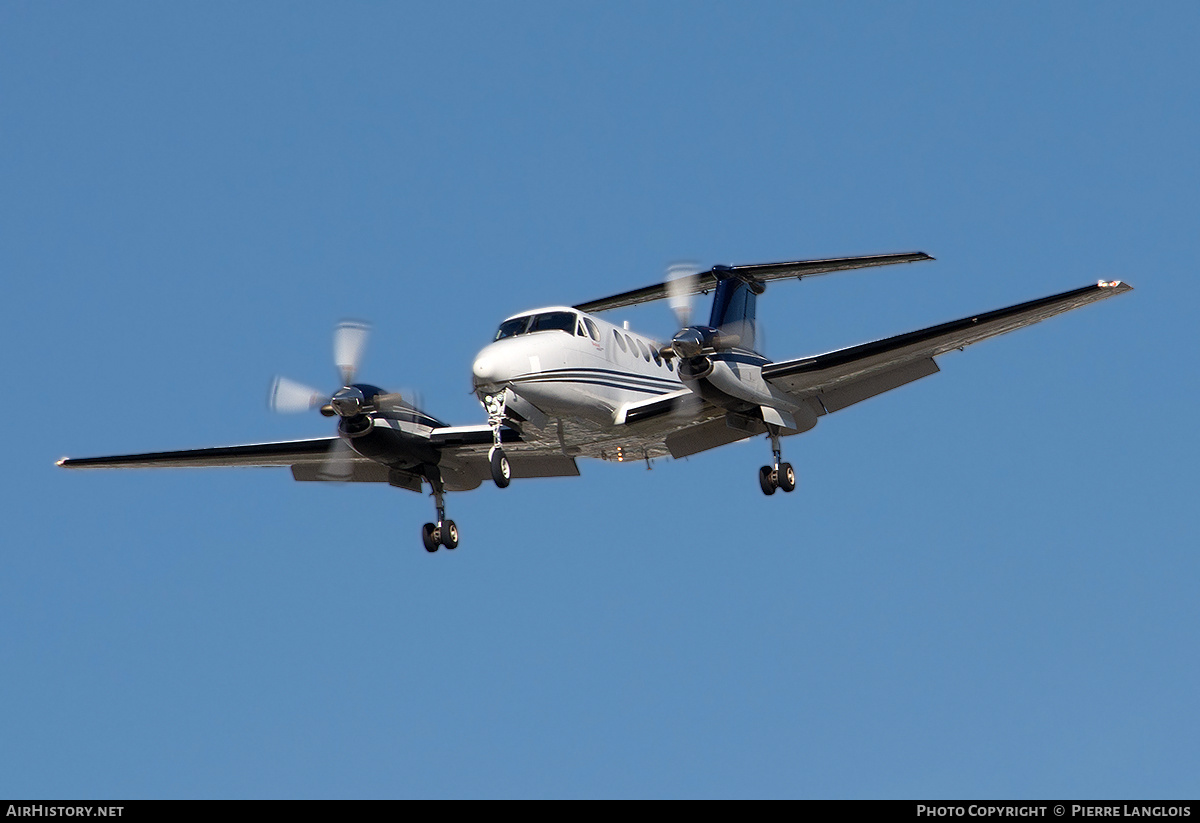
(349, 342)
(288, 396)
(681, 287)
(338, 465)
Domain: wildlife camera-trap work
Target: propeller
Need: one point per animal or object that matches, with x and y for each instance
(681, 288)
(690, 341)
(289, 396)
(349, 342)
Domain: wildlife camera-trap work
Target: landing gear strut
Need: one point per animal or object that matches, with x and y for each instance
(444, 532)
(497, 462)
(778, 475)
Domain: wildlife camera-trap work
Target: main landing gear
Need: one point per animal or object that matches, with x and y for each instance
(443, 532)
(778, 475)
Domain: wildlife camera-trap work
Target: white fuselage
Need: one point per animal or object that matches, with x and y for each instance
(590, 371)
(568, 364)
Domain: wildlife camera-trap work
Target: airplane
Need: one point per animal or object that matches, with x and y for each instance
(559, 383)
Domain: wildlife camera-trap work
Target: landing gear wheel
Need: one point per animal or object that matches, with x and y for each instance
(449, 534)
(787, 477)
(766, 479)
(501, 471)
(431, 537)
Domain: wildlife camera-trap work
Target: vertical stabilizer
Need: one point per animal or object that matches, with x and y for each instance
(733, 310)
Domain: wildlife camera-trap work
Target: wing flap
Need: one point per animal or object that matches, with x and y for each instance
(710, 435)
(542, 465)
(851, 370)
(360, 471)
(858, 390)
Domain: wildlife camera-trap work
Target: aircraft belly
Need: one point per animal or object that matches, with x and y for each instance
(563, 397)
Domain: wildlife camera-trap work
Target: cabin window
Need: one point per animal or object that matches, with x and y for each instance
(645, 351)
(593, 329)
(620, 340)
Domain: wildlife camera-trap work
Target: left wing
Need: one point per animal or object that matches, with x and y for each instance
(844, 377)
(705, 282)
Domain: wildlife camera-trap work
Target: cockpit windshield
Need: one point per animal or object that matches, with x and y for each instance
(549, 321)
(511, 328)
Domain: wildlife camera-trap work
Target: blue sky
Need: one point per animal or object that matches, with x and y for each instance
(985, 585)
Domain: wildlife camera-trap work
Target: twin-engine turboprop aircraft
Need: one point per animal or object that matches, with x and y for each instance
(561, 383)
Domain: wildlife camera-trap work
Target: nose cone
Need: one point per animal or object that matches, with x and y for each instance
(484, 368)
(489, 371)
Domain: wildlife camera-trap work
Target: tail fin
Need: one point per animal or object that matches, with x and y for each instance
(733, 310)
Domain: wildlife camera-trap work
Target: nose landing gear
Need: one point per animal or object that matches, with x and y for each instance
(501, 471)
(778, 475)
(497, 462)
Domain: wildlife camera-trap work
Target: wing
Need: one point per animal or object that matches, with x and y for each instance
(844, 377)
(762, 272)
(287, 453)
(306, 458)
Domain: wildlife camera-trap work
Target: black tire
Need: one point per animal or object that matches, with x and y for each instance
(449, 535)
(430, 537)
(501, 471)
(766, 480)
(787, 477)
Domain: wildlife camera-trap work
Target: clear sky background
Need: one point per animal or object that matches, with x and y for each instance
(985, 586)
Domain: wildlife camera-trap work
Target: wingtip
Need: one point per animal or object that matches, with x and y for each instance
(1117, 286)
(62, 462)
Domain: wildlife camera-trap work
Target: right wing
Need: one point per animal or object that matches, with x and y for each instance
(286, 453)
(844, 377)
(308, 459)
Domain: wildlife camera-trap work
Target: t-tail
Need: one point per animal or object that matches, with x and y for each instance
(733, 309)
